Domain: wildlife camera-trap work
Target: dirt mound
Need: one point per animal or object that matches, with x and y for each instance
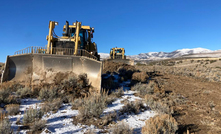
(140, 76)
(110, 67)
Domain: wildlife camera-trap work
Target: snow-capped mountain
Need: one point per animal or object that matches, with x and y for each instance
(163, 55)
(104, 55)
(173, 54)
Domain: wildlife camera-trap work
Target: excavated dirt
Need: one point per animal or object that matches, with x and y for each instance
(109, 67)
(202, 112)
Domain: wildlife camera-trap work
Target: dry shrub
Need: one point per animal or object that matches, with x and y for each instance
(143, 89)
(107, 119)
(4, 94)
(110, 98)
(158, 105)
(122, 128)
(5, 126)
(24, 92)
(12, 109)
(11, 86)
(77, 87)
(140, 77)
(77, 103)
(133, 107)
(60, 76)
(83, 81)
(90, 131)
(32, 115)
(92, 107)
(68, 88)
(7, 98)
(38, 125)
(160, 124)
(12, 99)
(48, 94)
(114, 95)
(119, 92)
(2, 111)
(53, 105)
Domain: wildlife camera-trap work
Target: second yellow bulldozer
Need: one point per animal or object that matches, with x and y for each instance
(118, 55)
(73, 52)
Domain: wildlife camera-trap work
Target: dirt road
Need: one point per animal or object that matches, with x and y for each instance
(202, 113)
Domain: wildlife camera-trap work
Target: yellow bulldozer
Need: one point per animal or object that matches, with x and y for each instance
(118, 55)
(72, 52)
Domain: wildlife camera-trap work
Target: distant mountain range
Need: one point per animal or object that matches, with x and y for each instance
(167, 55)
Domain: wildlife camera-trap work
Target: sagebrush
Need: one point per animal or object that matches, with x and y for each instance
(122, 128)
(32, 115)
(12, 109)
(160, 124)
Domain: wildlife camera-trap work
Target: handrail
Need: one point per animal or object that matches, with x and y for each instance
(30, 50)
(56, 51)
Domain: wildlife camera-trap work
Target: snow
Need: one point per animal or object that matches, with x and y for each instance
(61, 121)
(104, 55)
(25, 104)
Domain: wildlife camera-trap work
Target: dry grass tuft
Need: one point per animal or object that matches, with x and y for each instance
(107, 119)
(143, 89)
(32, 115)
(158, 105)
(12, 109)
(90, 110)
(90, 131)
(53, 105)
(119, 92)
(5, 126)
(24, 92)
(4, 94)
(38, 125)
(48, 94)
(133, 107)
(92, 107)
(77, 103)
(122, 128)
(160, 124)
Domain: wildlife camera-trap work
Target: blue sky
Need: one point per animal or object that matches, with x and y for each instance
(139, 26)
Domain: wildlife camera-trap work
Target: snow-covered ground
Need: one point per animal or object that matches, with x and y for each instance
(61, 121)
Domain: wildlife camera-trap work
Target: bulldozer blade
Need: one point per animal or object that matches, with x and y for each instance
(35, 68)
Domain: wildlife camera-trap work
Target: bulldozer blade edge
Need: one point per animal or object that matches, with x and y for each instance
(41, 67)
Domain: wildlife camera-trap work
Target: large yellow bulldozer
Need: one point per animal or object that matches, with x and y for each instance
(72, 52)
(118, 55)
